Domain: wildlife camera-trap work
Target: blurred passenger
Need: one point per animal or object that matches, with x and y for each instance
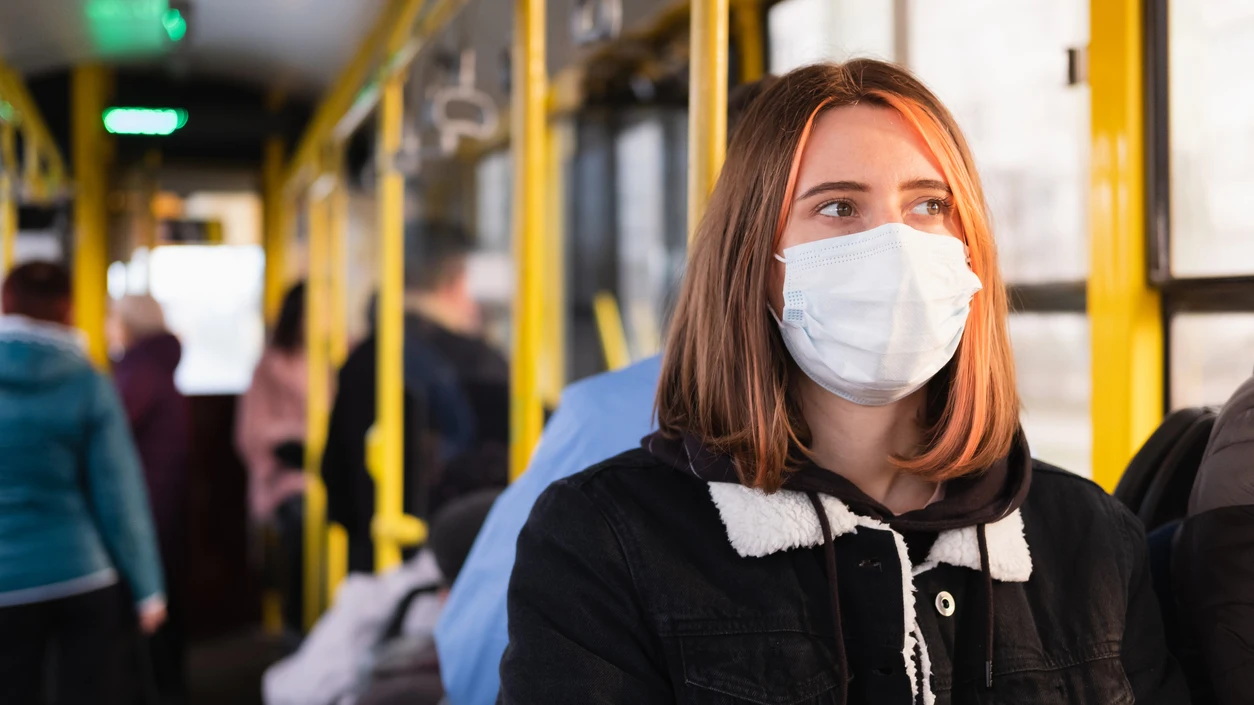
(270, 424)
(598, 418)
(406, 669)
(837, 396)
(161, 424)
(456, 395)
(375, 645)
(270, 430)
(1213, 559)
(78, 555)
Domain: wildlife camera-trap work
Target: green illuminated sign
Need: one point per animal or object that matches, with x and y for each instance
(144, 121)
(175, 24)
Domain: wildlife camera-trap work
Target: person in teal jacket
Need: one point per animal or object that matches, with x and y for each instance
(76, 535)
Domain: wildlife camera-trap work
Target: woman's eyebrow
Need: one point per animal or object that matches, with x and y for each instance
(835, 186)
(925, 184)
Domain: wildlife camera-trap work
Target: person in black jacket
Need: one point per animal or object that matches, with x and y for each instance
(456, 396)
(1213, 559)
(839, 506)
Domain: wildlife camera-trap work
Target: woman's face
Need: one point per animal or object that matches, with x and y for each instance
(863, 167)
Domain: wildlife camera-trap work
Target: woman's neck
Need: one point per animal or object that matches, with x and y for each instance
(858, 442)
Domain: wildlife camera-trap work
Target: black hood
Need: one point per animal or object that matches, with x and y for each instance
(981, 498)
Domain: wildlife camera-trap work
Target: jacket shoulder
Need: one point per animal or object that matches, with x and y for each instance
(1057, 486)
(1074, 514)
(634, 469)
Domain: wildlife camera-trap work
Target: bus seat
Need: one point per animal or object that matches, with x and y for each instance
(1167, 497)
(1157, 482)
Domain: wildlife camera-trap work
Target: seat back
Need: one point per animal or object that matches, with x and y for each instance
(1167, 498)
(1157, 482)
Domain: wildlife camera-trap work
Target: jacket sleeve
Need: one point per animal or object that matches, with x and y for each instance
(576, 631)
(1152, 671)
(1214, 569)
(343, 457)
(118, 497)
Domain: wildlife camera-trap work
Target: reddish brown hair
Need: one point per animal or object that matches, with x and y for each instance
(726, 374)
(39, 290)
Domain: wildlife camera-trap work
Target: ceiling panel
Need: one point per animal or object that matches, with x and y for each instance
(293, 45)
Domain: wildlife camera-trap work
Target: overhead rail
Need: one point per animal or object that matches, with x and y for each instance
(43, 165)
(38, 174)
(358, 89)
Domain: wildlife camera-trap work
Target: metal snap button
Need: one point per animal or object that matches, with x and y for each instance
(945, 604)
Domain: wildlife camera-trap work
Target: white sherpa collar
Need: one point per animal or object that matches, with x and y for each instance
(759, 524)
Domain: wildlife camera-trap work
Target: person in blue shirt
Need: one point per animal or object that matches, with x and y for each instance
(76, 532)
(598, 418)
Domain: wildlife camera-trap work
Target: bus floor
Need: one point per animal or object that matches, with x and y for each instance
(229, 668)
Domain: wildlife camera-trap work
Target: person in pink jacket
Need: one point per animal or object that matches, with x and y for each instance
(270, 436)
(270, 422)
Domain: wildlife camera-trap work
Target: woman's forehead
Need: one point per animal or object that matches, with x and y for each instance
(869, 143)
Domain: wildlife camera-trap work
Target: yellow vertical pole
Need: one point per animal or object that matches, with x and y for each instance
(318, 405)
(1124, 312)
(8, 199)
(387, 443)
(337, 221)
(749, 32)
(707, 103)
(337, 240)
(275, 234)
(527, 137)
(88, 87)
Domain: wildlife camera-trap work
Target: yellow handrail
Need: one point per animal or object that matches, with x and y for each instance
(275, 237)
(337, 239)
(1124, 313)
(337, 558)
(318, 406)
(88, 86)
(391, 528)
(750, 31)
(44, 163)
(610, 326)
(527, 137)
(707, 103)
(8, 199)
(340, 97)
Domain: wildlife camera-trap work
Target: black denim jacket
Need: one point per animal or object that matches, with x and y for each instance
(637, 583)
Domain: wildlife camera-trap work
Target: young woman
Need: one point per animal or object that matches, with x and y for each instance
(839, 506)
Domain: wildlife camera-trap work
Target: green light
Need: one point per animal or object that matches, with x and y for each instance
(174, 23)
(144, 121)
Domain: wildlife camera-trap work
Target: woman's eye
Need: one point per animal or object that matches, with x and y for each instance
(837, 209)
(931, 207)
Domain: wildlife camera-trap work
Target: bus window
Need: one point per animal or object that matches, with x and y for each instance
(1002, 69)
(805, 31)
(1052, 356)
(1211, 355)
(1211, 123)
(212, 300)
